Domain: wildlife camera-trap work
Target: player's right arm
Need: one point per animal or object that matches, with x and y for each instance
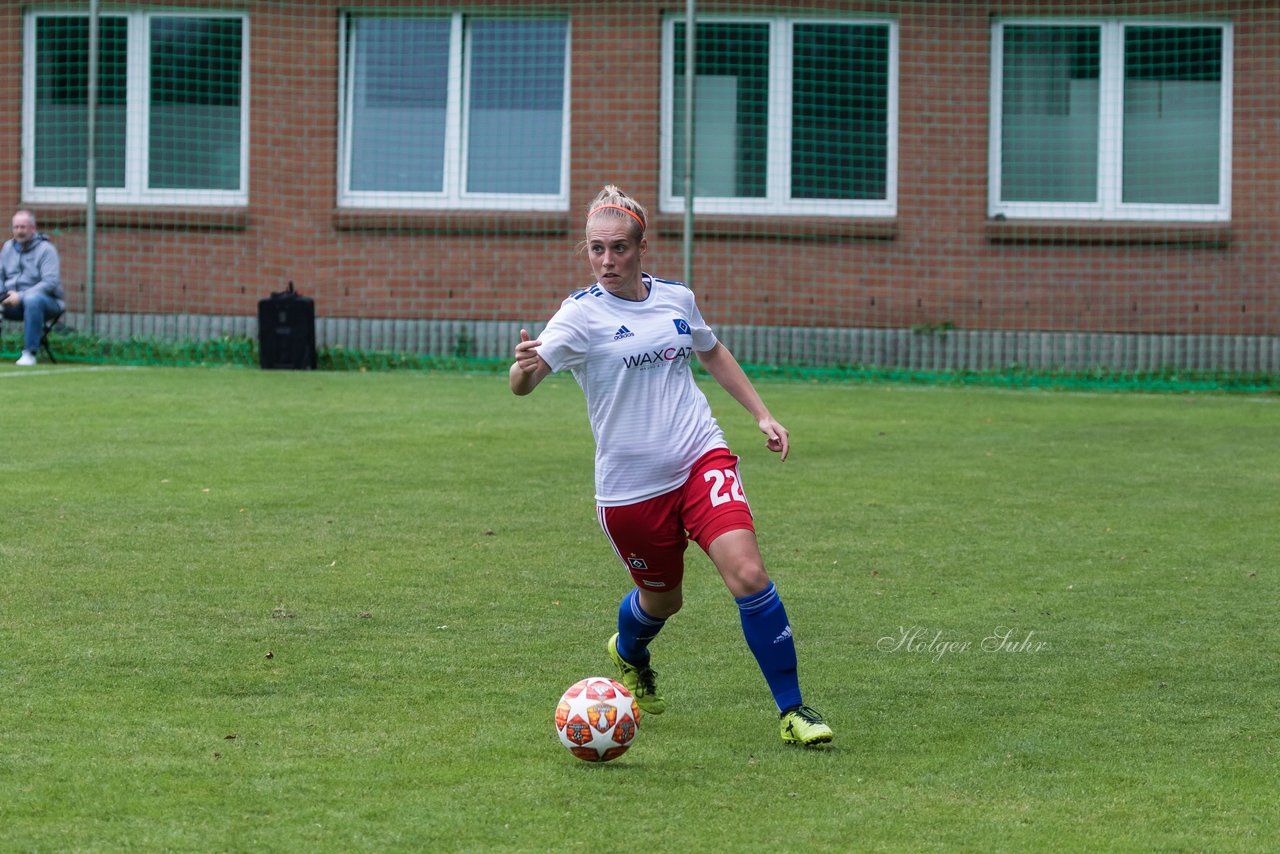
(529, 368)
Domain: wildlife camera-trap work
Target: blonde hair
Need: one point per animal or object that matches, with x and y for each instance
(611, 201)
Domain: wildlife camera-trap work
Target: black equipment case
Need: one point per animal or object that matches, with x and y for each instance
(287, 331)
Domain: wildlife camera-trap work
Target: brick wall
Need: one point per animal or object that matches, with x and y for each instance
(940, 260)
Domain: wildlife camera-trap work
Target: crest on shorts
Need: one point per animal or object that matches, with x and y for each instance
(637, 562)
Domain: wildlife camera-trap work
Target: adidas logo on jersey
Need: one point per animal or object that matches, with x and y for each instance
(623, 332)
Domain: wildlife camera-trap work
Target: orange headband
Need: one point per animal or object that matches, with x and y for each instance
(617, 208)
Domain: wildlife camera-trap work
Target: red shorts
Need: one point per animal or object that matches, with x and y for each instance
(650, 537)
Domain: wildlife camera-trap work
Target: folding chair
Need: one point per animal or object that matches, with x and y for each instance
(15, 315)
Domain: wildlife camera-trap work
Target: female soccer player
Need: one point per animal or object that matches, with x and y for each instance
(663, 471)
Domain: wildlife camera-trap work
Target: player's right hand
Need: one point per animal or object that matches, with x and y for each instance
(527, 352)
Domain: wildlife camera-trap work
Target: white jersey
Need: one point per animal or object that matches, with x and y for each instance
(650, 420)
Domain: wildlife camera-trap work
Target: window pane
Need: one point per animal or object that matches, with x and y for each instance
(195, 104)
(515, 111)
(1049, 139)
(62, 85)
(1172, 110)
(840, 112)
(731, 96)
(400, 75)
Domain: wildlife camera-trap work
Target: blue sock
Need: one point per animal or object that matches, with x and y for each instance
(768, 633)
(635, 629)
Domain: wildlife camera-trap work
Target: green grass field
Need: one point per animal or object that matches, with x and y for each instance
(265, 611)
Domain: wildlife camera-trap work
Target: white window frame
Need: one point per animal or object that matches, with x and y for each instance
(777, 199)
(1110, 131)
(137, 128)
(453, 194)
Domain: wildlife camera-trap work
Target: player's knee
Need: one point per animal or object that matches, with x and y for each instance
(667, 613)
(747, 579)
(661, 606)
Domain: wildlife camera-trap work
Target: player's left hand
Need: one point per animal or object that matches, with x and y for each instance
(778, 440)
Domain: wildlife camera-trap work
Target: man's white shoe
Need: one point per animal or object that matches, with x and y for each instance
(27, 359)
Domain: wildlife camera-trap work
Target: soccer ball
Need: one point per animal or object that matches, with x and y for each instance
(597, 718)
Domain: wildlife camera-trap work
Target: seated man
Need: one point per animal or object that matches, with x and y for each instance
(32, 285)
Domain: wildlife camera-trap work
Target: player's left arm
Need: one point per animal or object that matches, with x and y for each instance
(724, 368)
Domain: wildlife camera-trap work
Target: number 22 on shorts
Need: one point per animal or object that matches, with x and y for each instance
(724, 486)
